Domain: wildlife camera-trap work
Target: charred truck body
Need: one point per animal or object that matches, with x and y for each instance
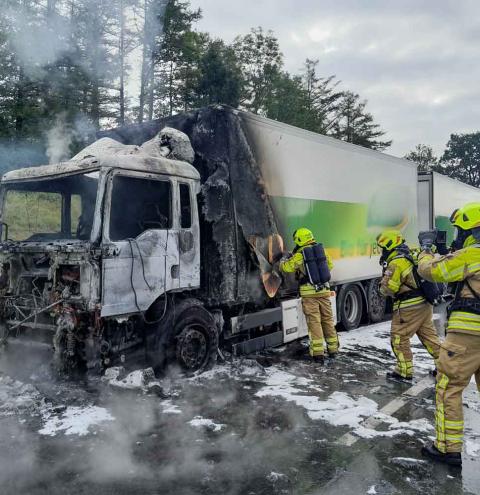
(151, 241)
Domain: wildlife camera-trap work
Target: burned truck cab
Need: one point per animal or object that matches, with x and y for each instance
(46, 253)
(90, 246)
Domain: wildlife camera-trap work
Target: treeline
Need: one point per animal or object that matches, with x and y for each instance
(69, 67)
(460, 160)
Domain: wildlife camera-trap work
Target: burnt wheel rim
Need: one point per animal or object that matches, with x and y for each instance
(193, 348)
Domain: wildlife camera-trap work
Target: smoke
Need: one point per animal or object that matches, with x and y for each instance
(20, 154)
(40, 39)
(59, 139)
(44, 36)
(63, 135)
(37, 41)
(151, 445)
(60, 142)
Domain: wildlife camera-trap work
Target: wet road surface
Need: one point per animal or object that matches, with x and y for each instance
(271, 425)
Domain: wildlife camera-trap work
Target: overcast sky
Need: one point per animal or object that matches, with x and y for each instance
(416, 62)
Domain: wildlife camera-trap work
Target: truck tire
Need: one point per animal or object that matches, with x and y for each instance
(350, 306)
(195, 339)
(376, 302)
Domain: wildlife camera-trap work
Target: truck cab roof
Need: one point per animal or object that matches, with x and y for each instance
(106, 153)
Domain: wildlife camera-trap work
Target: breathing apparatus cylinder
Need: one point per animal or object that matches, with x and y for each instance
(316, 265)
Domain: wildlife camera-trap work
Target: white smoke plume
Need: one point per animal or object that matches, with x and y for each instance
(36, 43)
(61, 137)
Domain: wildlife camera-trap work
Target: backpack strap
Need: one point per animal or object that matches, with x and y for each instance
(414, 291)
(414, 271)
(475, 294)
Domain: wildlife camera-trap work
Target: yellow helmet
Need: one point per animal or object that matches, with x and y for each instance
(302, 237)
(467, 217)
(390, 239)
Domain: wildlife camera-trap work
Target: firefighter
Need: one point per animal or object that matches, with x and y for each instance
(315, 300)
(460, 352)
(412, 314)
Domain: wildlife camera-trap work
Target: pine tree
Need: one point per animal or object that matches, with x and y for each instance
(289, 102)
(219, 77)
(424, 157)
(461, 158)
(153, 15)
(355, 125)
(176, 57)
(323, 98)
(261, 62)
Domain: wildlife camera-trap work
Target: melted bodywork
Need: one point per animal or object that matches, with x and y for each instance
(176, 207)
(89, 245)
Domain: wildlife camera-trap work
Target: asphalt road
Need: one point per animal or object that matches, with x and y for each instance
(271, 425)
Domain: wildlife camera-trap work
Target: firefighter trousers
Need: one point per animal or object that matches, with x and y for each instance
(405, 324)
(320, 322)
(459, 360)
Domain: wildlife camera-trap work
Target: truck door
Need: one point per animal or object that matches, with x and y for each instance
(140, 242)
(189, 238)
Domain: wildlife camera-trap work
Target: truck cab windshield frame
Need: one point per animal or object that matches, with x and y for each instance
(50, 209)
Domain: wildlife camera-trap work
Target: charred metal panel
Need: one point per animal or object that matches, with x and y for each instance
(234, 203)
(189, 244)
(138, 271)
(104, 153)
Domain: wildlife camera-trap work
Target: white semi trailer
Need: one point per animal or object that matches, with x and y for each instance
(346, 194)
(148, 241)
(438, 196)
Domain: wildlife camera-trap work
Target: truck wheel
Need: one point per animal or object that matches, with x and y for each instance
(350, 306)
(376, 302)
(196, 339)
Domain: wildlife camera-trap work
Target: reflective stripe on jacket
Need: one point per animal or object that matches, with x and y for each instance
(296, 265)
(456, 267)
(398, 279)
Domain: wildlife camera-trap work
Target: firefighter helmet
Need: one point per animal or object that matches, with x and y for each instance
(467, 217)
(390, 239)
(302, 237)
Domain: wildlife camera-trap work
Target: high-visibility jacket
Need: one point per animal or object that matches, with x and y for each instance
(398, 280)
(295, 264)
(463, 265)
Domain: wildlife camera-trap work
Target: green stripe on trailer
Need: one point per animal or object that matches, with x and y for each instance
(345, 229)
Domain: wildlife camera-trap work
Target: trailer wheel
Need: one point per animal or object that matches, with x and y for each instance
(196, 339)
(350, 306)
(376, 302)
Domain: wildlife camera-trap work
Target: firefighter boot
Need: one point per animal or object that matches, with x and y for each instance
(320, 360)
(451, 458)
(393, 375)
